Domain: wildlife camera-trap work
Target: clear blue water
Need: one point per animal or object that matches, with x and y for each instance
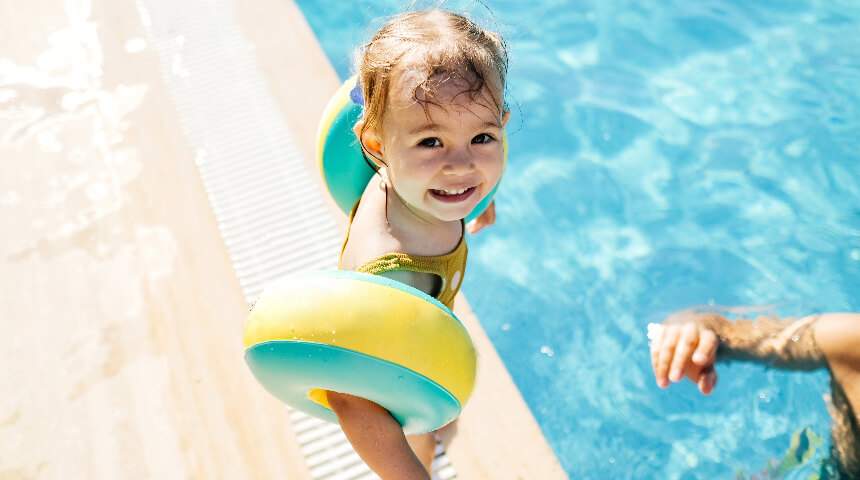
(663, 154)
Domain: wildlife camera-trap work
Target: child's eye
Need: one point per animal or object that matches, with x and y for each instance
(430, 142)
(483, 138)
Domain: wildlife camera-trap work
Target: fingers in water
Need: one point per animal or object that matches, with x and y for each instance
(666, 351)
(706, 351)
(707, 381)
(688, 339)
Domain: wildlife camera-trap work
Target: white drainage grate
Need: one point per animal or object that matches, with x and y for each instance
(268, 207)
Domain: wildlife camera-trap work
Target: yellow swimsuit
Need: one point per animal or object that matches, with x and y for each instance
(449, 267)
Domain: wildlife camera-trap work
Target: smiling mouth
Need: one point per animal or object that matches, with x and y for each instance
(453, 195)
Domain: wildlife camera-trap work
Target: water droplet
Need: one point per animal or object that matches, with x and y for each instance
(654, 331)
(10, 198)
(795, 338)
(547, 351)
(506, 327)
(400, 378)
(135, 45)
(97, 191)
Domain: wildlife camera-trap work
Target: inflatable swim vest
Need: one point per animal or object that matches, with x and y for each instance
(339, 154)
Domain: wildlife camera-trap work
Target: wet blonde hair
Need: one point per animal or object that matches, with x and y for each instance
(439, 46)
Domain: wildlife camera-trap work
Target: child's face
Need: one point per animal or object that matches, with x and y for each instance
(443, 160)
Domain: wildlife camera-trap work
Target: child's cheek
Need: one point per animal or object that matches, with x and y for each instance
(425, 164)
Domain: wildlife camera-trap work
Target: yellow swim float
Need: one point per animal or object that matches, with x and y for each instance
(364, 335)
(355, 333)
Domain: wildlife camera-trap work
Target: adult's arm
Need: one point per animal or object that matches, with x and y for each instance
(689, 343)
(838, 336)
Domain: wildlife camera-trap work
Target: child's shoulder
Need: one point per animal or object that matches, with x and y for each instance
(372, 237)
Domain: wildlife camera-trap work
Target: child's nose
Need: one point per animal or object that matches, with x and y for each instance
(458, 162)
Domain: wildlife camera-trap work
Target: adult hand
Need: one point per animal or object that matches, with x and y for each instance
(484, 220)
(682, 347)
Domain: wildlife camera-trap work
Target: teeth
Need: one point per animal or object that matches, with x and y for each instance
(453, 192)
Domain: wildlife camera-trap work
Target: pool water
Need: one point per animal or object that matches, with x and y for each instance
(662, 155)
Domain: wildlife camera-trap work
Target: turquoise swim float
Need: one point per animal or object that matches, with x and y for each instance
(341, 163)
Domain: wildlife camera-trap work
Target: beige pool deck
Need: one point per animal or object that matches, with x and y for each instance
(120, 311)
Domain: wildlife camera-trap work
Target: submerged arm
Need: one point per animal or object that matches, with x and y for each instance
(689, 342)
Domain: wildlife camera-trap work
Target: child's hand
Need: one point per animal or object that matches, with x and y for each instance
(684, 348)
(484, 220)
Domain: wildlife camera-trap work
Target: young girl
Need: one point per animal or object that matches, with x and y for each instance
(433, 86)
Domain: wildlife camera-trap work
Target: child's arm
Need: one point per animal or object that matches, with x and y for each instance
(377, 437)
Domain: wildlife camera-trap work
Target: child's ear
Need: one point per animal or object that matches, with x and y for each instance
(370, 142)
(506, 115)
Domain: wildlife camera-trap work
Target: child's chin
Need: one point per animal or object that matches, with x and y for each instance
(454, 215)
(454, 212)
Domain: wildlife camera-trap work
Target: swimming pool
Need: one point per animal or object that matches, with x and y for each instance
(662, 155)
